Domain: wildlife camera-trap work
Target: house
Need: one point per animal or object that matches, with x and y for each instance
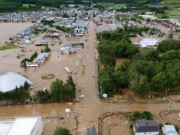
(169, 130)
(146, 127)
(41, 57)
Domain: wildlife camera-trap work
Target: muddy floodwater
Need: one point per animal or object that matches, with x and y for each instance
(46, 110)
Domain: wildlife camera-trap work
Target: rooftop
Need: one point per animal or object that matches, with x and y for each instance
(20, 126)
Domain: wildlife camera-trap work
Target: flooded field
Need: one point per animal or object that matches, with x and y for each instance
(11, 29)
(43, 110)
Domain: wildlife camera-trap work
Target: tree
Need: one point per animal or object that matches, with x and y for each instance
(26, 85)
(43, 96)
(62, 131)
(140, 85)
(47, 49)
(120, 79)
(159, 82)
(70, 82)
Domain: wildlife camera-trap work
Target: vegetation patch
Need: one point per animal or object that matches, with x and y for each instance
(28, 5)
(39, 31)
(59, 92)
(6, 47)
(145, 71)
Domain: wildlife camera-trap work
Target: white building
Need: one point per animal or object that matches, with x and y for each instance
(41, 57)
(10, 80)
(151, 17)
(22, 126)
(169, 130)
(148, 42)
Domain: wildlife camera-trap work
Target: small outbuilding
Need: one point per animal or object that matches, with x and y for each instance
(169, 130)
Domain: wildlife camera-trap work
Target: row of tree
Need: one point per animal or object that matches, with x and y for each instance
(17, 96)
(59, 92)
(33, 56)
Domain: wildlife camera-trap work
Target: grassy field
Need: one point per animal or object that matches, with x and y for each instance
(107, 3)
(174, 13)
(171, 1)
(6, 47)
(28, 5)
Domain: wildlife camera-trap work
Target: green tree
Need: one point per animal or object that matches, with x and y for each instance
(120, 79)
(140, 85)
(159, 82)
(47, 49)
(62, 131)
(57, 88)
(26, 85)
(43, 96)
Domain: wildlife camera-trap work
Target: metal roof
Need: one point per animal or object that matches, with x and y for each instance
(146, 126)
(91, 131)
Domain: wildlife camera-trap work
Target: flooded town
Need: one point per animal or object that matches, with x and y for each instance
(79, 70)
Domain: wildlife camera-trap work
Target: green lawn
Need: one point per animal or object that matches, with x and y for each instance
(107, 3)
(28, 5)
(174, 13)
(6, 47)
(171, 1)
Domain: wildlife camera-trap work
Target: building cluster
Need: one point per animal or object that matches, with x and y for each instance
(168, 23)
(150, 127)
(28, 16)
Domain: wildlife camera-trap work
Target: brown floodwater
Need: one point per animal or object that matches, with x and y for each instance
(46, 110)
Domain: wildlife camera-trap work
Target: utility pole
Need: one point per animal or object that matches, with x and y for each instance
(169, 107)
(111, 108)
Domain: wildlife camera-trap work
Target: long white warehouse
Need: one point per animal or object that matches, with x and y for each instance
(22, 126)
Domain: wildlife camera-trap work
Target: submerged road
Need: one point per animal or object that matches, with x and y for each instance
(90, 107)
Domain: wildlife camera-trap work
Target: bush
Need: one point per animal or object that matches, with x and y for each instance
(33, 56)
(41, 45)
(168, 123)
(46, 49)
(25, 60)
(177, 128)
(160, 125)
(141, 115)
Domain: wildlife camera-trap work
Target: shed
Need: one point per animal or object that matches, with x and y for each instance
(169, 130)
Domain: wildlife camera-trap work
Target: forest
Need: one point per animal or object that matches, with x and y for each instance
(17, 5)
(147, 69)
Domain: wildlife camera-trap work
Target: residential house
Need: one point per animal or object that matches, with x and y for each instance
(146, 127)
